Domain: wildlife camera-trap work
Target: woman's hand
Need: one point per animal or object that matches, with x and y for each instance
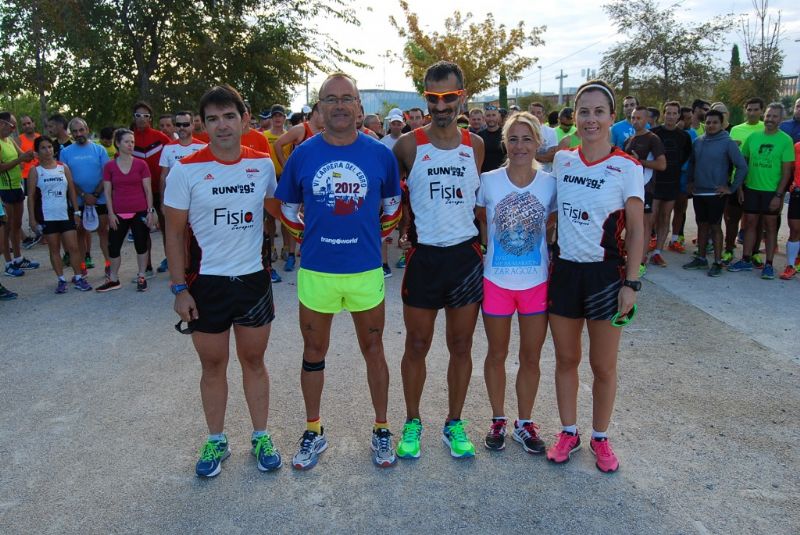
(113, 221)
(625, 300)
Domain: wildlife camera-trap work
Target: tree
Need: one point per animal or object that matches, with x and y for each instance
(482, 50)
(661, 59)
(120, 51)
(763, 52)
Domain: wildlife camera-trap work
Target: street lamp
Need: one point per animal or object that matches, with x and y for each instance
(540, 80)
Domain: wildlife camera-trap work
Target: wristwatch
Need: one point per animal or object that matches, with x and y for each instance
(633, 285)
(178, 288)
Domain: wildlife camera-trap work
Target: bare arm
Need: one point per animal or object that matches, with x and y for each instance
(175, 238)
(33, 180)
(292, 137)
(634, 243)
(71, 189)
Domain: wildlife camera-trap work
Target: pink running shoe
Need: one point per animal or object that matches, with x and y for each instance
(566, 445)
(606, 459)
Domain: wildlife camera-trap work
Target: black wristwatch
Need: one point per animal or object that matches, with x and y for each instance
(633, 285)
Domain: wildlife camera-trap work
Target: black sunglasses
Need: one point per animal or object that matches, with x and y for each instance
(183, 330)
(184, 125)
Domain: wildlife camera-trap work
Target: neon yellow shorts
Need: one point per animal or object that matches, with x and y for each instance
(329, 293)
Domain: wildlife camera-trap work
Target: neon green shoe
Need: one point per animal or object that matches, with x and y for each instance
(642, 270)
(408, 448)
(455, 436)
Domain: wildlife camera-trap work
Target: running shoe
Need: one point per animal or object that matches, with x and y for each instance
(163, 267)
(108, 286)
(148, 273)
(697, 263)
(31, 241)
(715, 270)
(141, 284)
(268, 457)
(727, 258)
(606, 459)
(311, 446)
(6, 294)
(741, 265)
(757, 262)
(382, 448)
(211, 456)
(89, 262)
(566, 445)
(290, 263)
(408, 448)
(26, 264)
(61, 287)
(658, 260)
(274, 276)
(789, 273)
(81, 284)
(107, 271)
(768, 273)
(455, 436)
(677, 247)
(642, 270)
(401, 262)
(496, 437)
(13, 271)
(527, 434)
(387, 271)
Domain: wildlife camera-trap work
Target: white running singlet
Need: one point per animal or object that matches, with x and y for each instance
(52, 183)
(172, 153)
(225, 201)
(591, 203)
(442, 187)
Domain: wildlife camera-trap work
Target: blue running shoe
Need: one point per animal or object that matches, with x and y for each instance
(741, 265)
(311, 446)
(6, 294)
(211, 456)
(12, 271)
(61, 288)
(81, 284)
(162, 267)
(274, 276)
(382, 448)
(401, 263)
(768, 273)
(26, 264)
(290, 262)
(268, 457)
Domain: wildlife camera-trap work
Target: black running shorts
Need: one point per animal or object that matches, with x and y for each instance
(709, 208)
(58, 227)
(757, 202)
(438, 277)
(794, 205)
(222, 301)
(584, 289)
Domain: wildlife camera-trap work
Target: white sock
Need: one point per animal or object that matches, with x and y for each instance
(792, 250)
(571, 429)
(217, 437)
(77, 277)
(61, 278)
(674, 237)
(17, 260)
(599, 434)
(258, 434)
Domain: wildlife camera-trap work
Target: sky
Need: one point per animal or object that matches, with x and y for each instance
(578, 32)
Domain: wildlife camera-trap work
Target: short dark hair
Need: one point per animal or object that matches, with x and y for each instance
(627, 97)
(221, 95)
(640, 108)
(777, 106)
(184, 112)
(107, 132)
(39, 140)
(715, 113)
(142, 104)
(536, 104)
(416, 109)
(118, 133)
(672, 104)
(685, 109)
(58, 118)
(441, 70)
(654, 112)
(552, 117)
(167, 116)
(755, 100)
(699, 103)
(5, 115)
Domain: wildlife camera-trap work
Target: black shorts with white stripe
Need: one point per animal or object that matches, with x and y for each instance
(438, 277)
(222, 301)
(584, 289)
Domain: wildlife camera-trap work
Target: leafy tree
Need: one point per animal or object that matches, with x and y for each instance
(762, 49)
(661, 58)
(482, 50)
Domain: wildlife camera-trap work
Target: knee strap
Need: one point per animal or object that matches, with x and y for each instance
(313, 366)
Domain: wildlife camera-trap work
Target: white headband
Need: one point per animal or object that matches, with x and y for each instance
(602, 88)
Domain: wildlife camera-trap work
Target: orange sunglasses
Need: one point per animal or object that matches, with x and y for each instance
(449, 96)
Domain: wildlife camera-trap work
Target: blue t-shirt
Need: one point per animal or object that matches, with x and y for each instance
(86, 164)
(620, 132)
(792, 127)
(341, 188)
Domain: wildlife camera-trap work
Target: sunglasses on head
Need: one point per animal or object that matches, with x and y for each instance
(141, 115)
(183, 125)
(183, 330)
(490, 108)
(448, 96)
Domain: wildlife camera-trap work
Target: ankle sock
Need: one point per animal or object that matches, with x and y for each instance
(314, 425)
(571, 429)
(218, 437)
(380, 425)
(599, 434)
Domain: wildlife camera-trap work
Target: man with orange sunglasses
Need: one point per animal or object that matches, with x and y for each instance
(444, 264)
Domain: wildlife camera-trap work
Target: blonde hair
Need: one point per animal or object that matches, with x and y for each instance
(531, 122)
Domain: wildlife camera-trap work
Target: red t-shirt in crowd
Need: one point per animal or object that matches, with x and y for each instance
(255, 140)
(127, 192)
(147, 146)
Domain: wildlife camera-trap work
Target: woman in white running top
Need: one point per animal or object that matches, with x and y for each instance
(516, 200)
(600, 193)
(50, 204)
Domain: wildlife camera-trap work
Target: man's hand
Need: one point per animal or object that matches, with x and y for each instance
(185, 306)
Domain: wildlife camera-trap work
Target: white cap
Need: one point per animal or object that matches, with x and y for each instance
(306, 109)
(395, 114)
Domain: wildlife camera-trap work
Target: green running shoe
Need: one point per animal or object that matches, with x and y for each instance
(455, 436)
(211, 456)
(642, 270)
(408, 448)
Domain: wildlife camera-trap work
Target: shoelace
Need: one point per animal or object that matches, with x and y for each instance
(210, 451)
(264, 444)
(529, 430)
(602, 448)
(497, 427)
(411, 432)
(457, 431)
(307, 441)
(383, 440)
(563, 444)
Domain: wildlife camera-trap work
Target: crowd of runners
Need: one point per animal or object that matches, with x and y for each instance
(553, 217)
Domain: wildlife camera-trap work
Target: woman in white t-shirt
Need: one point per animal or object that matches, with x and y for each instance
(516, 200)
(595, 275)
